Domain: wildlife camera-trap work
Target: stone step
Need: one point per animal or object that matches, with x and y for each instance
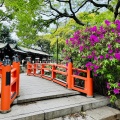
(45, 96)
(54, 108)
(102, 113)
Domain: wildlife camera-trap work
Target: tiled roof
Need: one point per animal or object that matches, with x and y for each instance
(22, 49)
(32, 51)
(2, 45)
(12, 45)
(19, 51)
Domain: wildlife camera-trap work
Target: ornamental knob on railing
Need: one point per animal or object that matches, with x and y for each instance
(28, 59)
(6, 61)
(16, 58)
(37, 60)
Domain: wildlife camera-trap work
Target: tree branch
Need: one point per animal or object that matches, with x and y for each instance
(60, 13)
(81, 6)
(62, 1)
(65, 14)
(116, 9)
(98, 5)
(71, 7)
(102, 5)
(2, 19)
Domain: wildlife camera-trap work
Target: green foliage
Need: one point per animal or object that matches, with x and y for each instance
(44, 43)
(26, 21)
(5, 35)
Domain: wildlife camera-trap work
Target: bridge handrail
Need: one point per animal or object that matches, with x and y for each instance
(70, 77)
(9, 85)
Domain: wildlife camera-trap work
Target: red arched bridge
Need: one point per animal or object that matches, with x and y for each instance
(73, 79)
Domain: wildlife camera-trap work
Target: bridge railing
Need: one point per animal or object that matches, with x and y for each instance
(9, 86)
(46, 67)
(30, 68)
(70, 80)
(61, 70)
(0, 69)
(37, 69)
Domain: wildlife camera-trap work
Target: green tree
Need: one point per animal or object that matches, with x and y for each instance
(5, 35)
(44, 43)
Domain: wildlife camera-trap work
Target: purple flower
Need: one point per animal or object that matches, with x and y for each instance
(111, 57)
(117, 22)
(107, 22)
(73, 42)
(109, 46)
(76, 34)
(113, 30)
(93, 29)
(118, 27)
(119, 84)
(101, 57)
(94, 39)
(95, 58)
(107, 55)
(83, 56)
(101, 36)
(81, 48)
(66, 41)
(90, 56)
(88, 64)
(117, 56)
(102, 29)
(96, 67)
(108, 86)
(116, 91)
(94, 71)
(72, 39)
(118, 40)
(118, 34)
(116, 50)
(110, 51)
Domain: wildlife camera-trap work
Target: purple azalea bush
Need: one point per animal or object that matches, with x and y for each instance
(98, 48)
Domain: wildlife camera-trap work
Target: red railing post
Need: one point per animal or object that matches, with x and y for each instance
(29, 66)
(5, 86)
(0, 68)
(69, 77)
(35, 68)
(89, 84)
(16, 64)
(53, 73)
(42, 69)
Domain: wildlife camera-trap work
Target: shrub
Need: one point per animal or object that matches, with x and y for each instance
(98, 48)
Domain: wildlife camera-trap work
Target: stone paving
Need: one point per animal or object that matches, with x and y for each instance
(35, 88)
(102, 113)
